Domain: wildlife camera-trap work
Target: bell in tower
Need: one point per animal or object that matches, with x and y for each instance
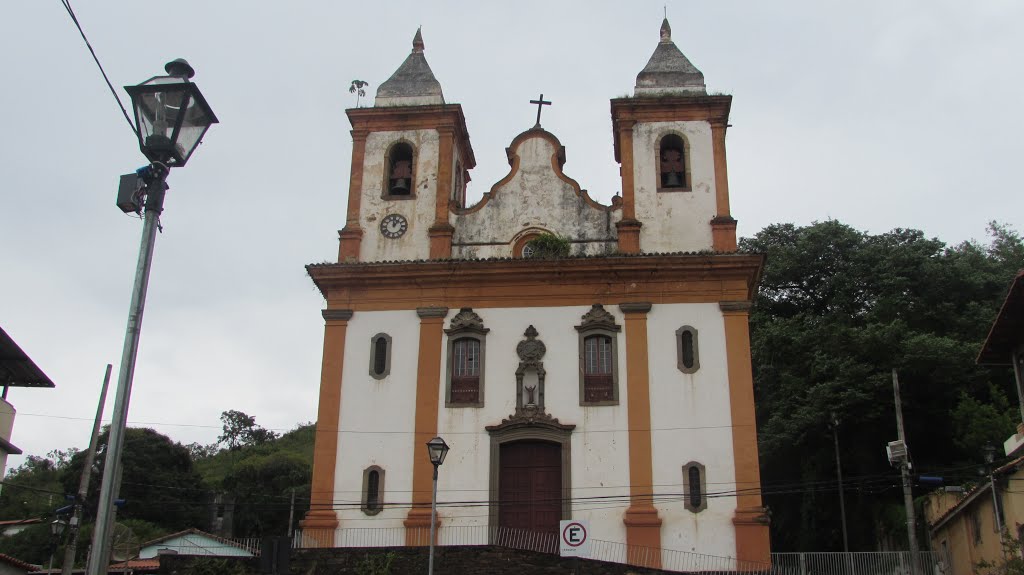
(400, 175)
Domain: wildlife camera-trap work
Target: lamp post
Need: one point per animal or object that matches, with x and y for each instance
(990, 458)
(437, 449)
(56, 528)
(171, 116)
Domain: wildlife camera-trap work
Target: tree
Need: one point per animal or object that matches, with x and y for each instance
(158, 481)
(34, 489)
(262, 487)
(838, 309)
(240, 430)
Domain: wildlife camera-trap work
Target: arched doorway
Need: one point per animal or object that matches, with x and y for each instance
(530, 485)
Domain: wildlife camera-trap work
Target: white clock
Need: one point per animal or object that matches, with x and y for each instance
(393, 226)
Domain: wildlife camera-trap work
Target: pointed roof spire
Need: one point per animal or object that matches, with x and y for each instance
(668, 72)
(413, 83)
(417, 41)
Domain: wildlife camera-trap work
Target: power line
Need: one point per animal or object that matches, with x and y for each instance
(67, 6)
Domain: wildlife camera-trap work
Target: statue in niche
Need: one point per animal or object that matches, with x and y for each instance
(530, 373)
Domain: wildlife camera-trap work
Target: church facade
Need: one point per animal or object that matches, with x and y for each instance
(601, 372)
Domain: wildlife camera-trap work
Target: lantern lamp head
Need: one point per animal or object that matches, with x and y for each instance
(437, 449)
(171, 115)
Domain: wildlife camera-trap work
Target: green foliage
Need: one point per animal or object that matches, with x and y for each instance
(240, 430)
(32, 545)
(262, 487)
(549, 246)
(34, 488)
(158, 481)
(839, 309)
(376, 564)
(1011, 562)
(217, 566)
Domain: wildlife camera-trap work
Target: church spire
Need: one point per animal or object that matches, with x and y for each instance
(668, 72)
(413, 84)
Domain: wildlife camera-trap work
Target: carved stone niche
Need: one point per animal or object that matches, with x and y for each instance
(530, 373)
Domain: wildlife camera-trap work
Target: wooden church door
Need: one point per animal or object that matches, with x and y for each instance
(530, 486)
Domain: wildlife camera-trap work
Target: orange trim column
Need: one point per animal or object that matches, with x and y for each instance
(352, 234)
(428, 395)
(441, 231)
(751, 519)
(643, 526)
(628, 227)
(723, 226)
(321, 520)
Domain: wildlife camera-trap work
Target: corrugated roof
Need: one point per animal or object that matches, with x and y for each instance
(1008, 328)
(16, 368)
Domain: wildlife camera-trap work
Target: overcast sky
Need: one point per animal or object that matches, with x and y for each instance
(879, 114)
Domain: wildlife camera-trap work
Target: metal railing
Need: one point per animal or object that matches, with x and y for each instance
(858, 563)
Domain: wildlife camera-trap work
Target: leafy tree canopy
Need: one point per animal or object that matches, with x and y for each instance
(839, 309)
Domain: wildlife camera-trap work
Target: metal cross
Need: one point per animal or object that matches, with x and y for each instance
(540, 102)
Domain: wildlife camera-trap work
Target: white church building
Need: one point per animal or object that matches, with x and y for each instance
(611, 384)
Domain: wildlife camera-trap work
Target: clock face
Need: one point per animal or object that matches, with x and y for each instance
(393, 226)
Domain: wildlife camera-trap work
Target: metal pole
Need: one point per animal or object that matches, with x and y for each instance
(995, 502)
(908, 499)
(839, 473)
(291, 515)
(105, 513)
(433, 524)
(83, 484)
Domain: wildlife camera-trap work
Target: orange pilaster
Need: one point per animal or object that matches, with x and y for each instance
(351, 235)
(643, 526)
(321, 520)
(723, 226)
(628, 228)
(428, 395)
(751, 518)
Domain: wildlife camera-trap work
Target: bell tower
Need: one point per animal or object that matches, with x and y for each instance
(411, 158)
(670, 144)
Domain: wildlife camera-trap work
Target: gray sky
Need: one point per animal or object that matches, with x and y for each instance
(880, 114)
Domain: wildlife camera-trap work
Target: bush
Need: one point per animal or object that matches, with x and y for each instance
(549, 246)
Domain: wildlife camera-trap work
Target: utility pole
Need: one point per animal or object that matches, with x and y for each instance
(291, 515)
(839, 473)
(83, 484)
(908, 499)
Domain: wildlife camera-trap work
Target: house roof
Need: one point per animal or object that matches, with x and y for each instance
(136, 566)
(11, 522)
(194, 531)
(16, 368)
(1008, 328)
(17, 563)
(970, 496)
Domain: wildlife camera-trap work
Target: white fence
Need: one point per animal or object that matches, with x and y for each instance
(865, 563)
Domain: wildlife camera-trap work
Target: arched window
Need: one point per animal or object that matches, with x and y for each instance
(380, 356)
(466, 338)
(400, 172)
(373, 490)
(694, 489)
(687, 356)
(672, 162)
(598, 357)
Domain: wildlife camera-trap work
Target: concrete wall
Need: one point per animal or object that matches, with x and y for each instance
(674, 221)
(536, 198)
(690, 414)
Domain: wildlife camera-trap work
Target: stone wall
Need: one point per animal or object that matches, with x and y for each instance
(462, 560)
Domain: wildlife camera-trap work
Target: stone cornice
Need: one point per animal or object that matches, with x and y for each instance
(337, 314)
(710, 278)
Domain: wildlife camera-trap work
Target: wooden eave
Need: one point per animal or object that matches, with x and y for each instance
(1008, 328)
(16, 368)
(395, 118)
(628, 111)
(530, 282)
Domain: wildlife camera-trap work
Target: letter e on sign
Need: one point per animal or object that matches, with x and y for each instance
(574, 538)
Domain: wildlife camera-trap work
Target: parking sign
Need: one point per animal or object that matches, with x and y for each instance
(574, 538)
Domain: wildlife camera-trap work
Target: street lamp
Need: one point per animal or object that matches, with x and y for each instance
(990, 458)
(171, 117)
(437, 449)
(56, 528)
